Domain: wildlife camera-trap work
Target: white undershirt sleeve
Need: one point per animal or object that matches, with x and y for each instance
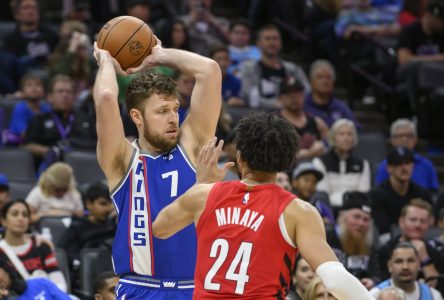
(341, 283)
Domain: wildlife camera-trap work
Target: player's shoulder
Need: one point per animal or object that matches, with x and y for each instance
(300, 209)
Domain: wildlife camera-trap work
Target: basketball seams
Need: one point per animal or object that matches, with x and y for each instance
(109, 31)
(144, 54)
(123, 46)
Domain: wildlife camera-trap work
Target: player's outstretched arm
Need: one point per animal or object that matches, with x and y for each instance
(305, 224)
(182, 212)
(200, 125)
(113, 150)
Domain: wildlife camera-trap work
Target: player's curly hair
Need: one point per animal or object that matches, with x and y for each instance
(267, 142)
(146, 84)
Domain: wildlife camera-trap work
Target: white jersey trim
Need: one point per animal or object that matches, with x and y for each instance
(284, 232)
(140, 283)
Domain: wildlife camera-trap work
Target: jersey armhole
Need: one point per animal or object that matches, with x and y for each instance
(284, 232)
(207, 207)
(127, 172)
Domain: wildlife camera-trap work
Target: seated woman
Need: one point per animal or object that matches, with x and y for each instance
(55, 194)
(302, 276)
(34, 257)
(342, 170)
(316, 290)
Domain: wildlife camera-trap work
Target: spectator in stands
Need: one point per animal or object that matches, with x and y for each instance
(353, 239)
(391, 195)
(105, 285)
(316, 290)
(2, 124)
(420, 42)
(231, 85)
(205, 29)
(230, 150)
(342, 170)
(51, 133)
(411, 11)
(185, 84)
(304, 180)
(312, 130)
(391, 293)
(35, 257)
(414, 222)
(32, 93)
(404, 265)
(73, 56)
(261, 79)
(321, 102)
(90, 230)
(174, 34)
(239, 45)
(403, 134)
(140, 9)
(12, 284)
(5, 197)
(283, 181)
(55, 194)
(302, 276)
(30, 42)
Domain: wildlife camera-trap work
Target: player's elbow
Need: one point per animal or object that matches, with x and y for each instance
(211, 70)
(159, 232)
(104, 96)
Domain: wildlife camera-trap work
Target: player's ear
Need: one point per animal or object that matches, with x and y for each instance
(136, 116)
(98, 297)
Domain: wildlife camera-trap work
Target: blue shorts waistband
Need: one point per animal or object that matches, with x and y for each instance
(157, 282)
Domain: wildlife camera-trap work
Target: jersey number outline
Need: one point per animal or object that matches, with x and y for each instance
(241, 260)
(174, 181)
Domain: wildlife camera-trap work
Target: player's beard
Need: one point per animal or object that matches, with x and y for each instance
(353, 244)
(159, 142)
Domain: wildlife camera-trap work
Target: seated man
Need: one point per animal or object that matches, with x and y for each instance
(321, 102)
(353, 239)
(414, 223)
(403, 133)
(404, 265)
(390, 196)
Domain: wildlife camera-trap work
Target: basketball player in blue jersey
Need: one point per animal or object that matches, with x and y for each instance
(146, 175)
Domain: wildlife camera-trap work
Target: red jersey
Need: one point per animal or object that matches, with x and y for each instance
(243, 249)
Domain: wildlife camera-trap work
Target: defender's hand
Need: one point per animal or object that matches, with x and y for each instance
(207, 170)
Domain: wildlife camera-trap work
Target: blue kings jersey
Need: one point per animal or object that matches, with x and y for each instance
(150, 184)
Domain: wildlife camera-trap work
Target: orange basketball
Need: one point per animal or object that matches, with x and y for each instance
(128, 39)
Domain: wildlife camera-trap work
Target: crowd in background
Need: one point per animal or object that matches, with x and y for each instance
(286, 57)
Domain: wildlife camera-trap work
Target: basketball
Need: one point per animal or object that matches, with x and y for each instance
(128, 39)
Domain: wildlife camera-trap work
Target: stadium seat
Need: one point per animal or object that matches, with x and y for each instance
(57, 225)
(6, 27)
(8, 107)
(20, 189)
(372, 146)
(17, 164)
(63, 266)
(85, 166)
(88, 271)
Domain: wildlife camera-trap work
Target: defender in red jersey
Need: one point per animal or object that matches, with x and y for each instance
(248, 230)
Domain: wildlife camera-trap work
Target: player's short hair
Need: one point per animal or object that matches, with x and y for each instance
(100, 281)
(267, 142)
(146, 84)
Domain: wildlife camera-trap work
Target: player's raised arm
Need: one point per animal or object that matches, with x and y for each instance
(182, 212)
(200, 125)
(308, 232)
(113, 150)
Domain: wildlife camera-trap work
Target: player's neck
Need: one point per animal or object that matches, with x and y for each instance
(255, 178)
